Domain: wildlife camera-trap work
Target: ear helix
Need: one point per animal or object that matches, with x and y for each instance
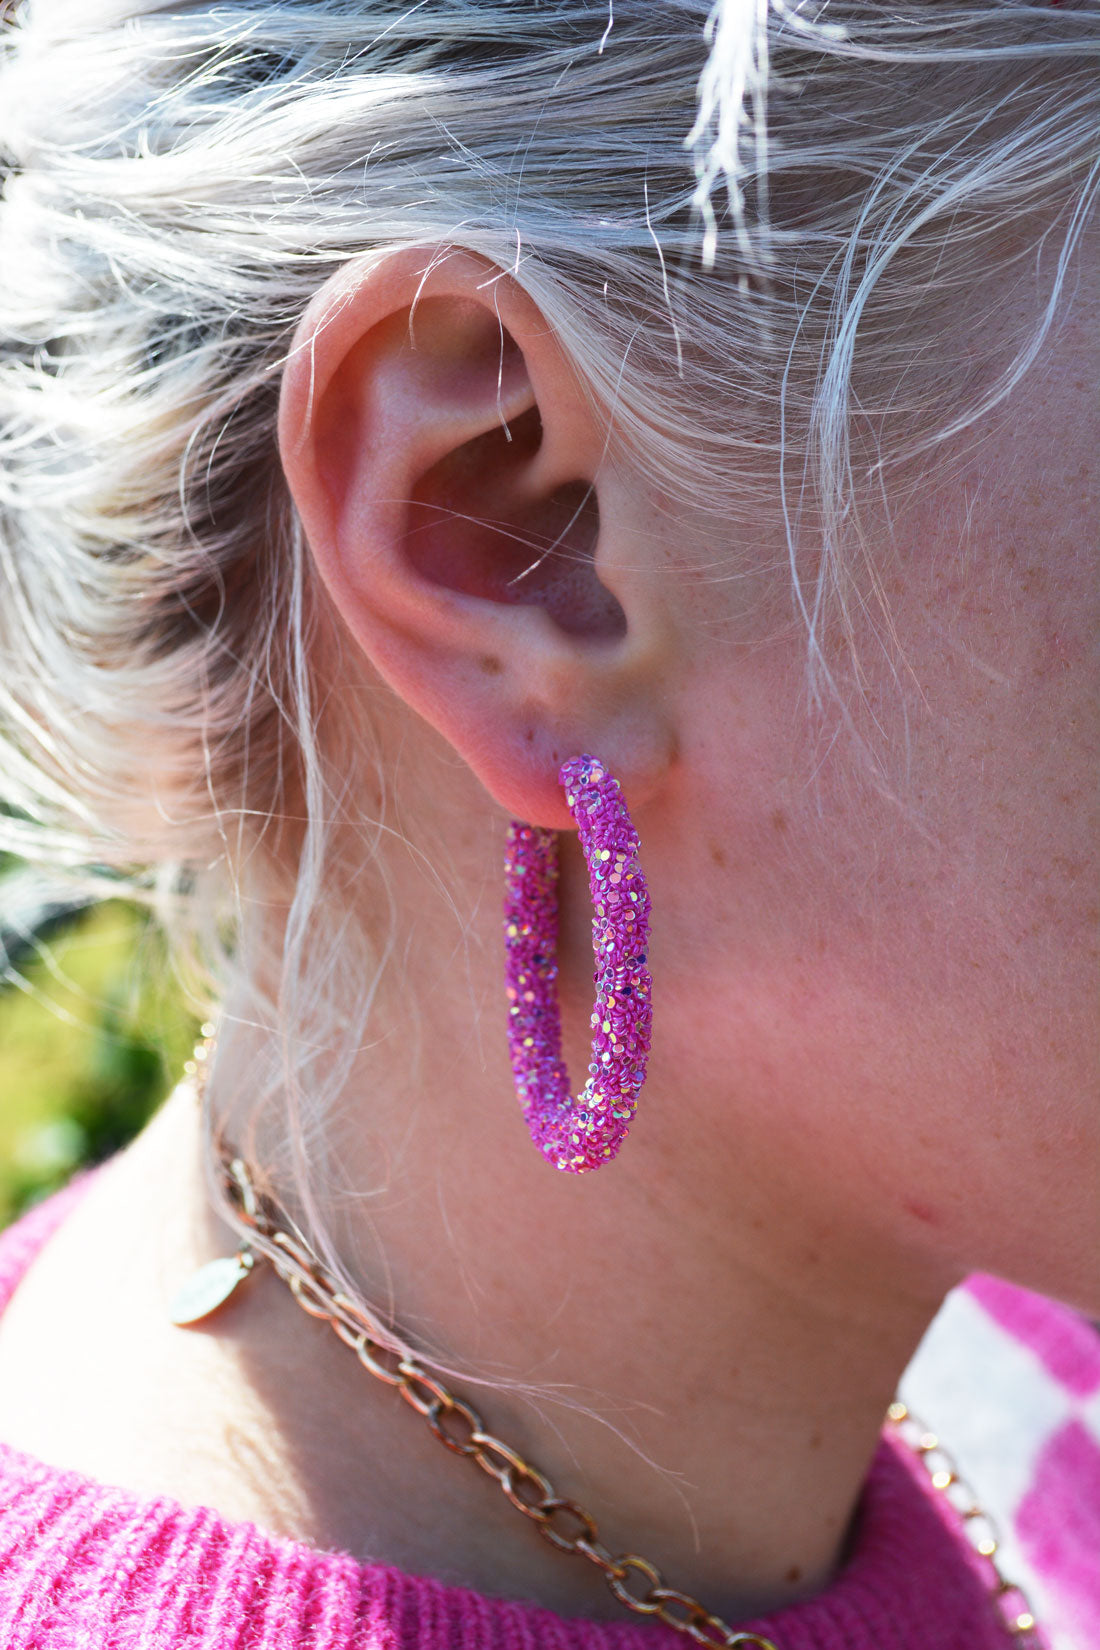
(584, 1132)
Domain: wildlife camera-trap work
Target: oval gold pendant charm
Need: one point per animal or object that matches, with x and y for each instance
(210, 1287)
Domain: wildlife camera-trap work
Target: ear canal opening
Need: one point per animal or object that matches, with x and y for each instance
(476, 527)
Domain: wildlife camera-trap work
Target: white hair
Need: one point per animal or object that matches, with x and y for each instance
(743, 223)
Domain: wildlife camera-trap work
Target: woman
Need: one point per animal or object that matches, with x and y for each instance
(398, 403)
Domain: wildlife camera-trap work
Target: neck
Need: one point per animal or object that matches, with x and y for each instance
(699, 1358)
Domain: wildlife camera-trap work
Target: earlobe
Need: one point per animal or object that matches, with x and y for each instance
(444, 460)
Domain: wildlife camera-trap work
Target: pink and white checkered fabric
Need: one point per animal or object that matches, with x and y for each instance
(1011, 1382)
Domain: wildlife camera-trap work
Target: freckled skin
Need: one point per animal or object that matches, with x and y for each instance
(902, 947)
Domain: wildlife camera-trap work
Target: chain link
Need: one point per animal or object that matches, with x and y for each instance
(636, 1583)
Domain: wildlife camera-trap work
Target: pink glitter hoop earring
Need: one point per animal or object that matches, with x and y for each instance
(582, 1133)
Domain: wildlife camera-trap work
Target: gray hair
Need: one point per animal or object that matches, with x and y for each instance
(744, 222)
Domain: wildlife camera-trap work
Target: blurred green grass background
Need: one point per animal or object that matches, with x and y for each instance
(93, 1035)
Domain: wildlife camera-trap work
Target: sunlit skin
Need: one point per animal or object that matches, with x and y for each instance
(875, 1050)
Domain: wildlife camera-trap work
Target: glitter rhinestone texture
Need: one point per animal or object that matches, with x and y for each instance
(585, 1132)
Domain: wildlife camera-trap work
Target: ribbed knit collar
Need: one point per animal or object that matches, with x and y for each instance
(84, 1566)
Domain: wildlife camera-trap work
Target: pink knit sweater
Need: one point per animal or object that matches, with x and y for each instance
(84, 1566)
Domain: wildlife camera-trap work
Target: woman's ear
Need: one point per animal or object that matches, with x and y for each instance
(451, 475)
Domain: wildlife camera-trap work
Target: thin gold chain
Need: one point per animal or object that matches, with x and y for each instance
(634, 1581)
(1011, 1600)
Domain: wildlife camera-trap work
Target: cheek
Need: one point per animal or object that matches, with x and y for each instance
(877, 1048)
(886, 972)
(1005, 753)
(891, 988)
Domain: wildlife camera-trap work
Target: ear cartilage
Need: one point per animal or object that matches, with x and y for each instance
(582, 1132)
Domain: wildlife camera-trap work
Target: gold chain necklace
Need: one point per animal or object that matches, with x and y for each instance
(634, 1581)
